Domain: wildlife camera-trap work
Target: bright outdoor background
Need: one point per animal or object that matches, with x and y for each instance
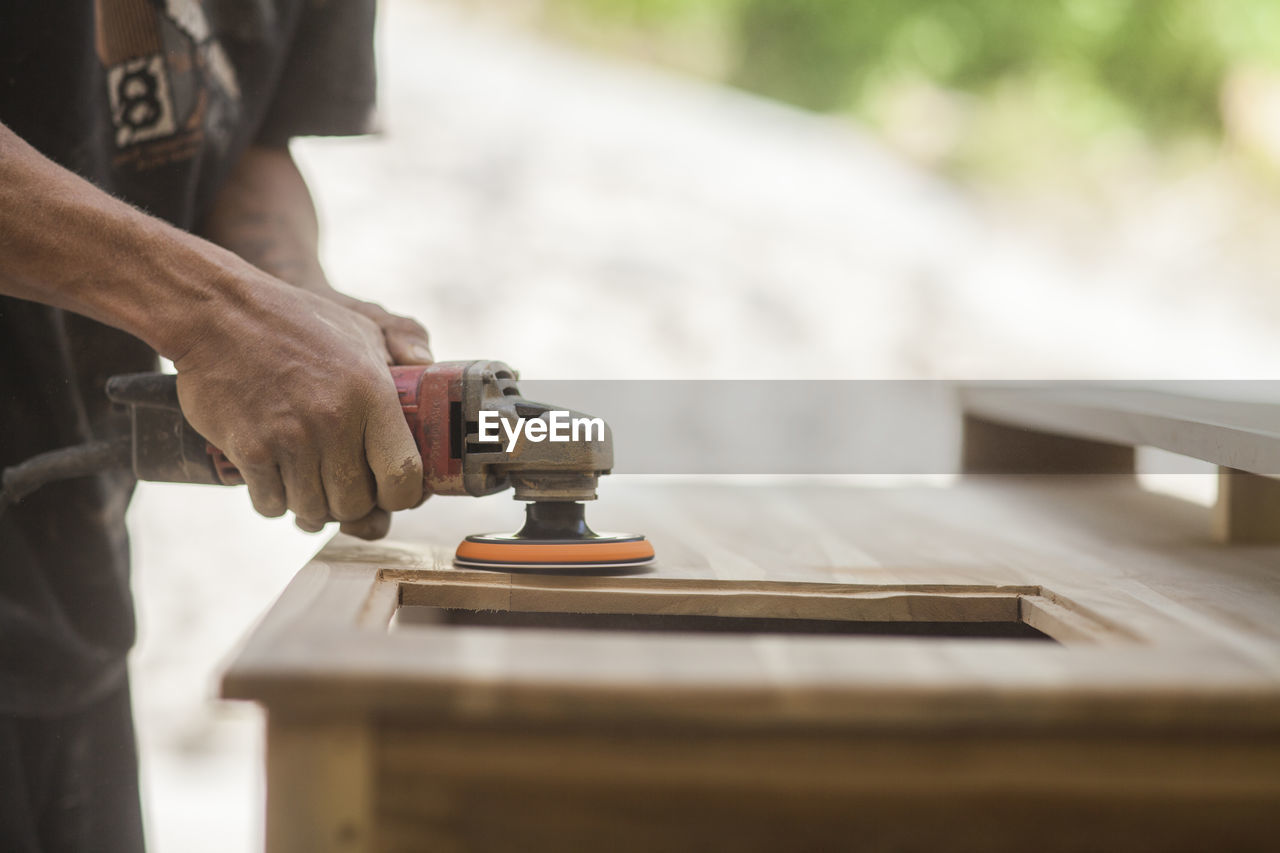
(752, 189)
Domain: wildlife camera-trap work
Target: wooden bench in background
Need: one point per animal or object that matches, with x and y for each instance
(1069, 428)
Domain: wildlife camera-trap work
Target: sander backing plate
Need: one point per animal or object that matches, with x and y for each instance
(508, 551)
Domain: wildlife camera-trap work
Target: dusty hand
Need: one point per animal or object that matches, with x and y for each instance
(405, 341)
(294, 388)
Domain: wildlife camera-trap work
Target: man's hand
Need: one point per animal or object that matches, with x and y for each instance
(295, 390)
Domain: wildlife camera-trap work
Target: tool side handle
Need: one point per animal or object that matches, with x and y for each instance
(154, 390)
(165, 447)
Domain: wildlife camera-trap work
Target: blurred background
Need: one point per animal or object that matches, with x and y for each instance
(784, 189)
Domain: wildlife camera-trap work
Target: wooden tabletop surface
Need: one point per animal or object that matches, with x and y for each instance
(1157, 625)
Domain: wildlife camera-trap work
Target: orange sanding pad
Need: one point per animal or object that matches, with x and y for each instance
(507, 552)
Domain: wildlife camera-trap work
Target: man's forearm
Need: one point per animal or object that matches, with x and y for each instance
(291, 385)
(264, 213)
(64, 242)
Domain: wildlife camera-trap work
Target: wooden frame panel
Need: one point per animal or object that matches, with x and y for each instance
(488, 789)
(956, 603)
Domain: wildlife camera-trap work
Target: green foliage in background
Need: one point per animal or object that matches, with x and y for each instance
(1157, 65)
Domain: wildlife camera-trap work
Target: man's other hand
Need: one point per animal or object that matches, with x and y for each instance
(407, 342)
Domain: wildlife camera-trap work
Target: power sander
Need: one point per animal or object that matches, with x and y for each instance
(443, 405)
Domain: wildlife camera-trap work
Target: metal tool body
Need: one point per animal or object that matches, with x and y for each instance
(442, 404)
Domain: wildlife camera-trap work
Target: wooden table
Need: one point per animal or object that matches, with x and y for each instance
(1055, 663)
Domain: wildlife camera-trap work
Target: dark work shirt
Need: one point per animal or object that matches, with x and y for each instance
(153, 101)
